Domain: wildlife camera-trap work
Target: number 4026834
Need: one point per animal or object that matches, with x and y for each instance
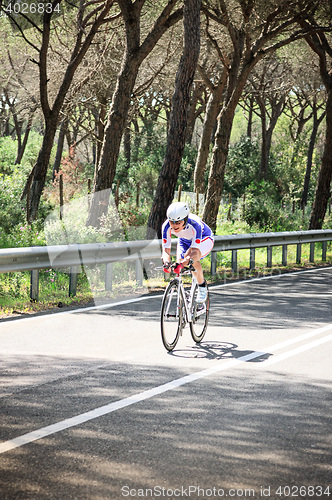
(31, 8)
(303, 491)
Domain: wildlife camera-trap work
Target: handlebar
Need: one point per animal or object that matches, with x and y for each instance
(184, 270)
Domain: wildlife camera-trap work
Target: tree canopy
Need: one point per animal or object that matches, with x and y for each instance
(106, 77)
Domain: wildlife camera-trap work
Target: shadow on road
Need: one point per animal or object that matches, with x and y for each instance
(239, 431)
(288, 301)
(213, 350)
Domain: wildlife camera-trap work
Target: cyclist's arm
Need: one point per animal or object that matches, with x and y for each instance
(166, 246)
(166, 255)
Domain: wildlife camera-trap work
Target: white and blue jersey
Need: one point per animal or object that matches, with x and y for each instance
(195, 234)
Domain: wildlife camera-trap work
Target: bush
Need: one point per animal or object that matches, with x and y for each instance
(264, 209)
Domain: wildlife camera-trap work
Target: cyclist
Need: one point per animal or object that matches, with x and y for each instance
(195, 242)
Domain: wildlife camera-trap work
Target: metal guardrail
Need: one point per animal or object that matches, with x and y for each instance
(74, 256)
(252, 241)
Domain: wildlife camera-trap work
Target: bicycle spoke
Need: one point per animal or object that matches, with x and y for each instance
(171, 316)
(200, 317)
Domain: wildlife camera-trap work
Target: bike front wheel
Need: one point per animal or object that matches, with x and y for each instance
(171, 316)
(200, 317)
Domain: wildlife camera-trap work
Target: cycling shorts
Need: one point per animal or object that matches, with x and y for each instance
(205, 246)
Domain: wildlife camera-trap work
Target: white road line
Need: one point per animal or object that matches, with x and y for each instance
(142, 396)
(117, 405)
(86, 309)
(299, 338)
(298, 350)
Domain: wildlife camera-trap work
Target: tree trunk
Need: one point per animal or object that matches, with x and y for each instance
(20, 151)
(267, 131)
(112, 140)
(212, 110)
(250, 117)
(179, 117)
(127, 146)
(137, 141)
(217, 167)
(306, 183)
(59, 150)
(197, 93)
(265, 153)
(323, 189)
(38, 175)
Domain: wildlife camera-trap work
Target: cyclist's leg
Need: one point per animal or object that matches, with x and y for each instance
(197, 254)
(182, 247)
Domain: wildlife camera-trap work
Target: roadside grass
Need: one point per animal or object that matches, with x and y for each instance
(54, 285)
(53, 292)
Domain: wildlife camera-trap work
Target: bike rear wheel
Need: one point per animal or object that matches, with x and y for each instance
(200, 317)
(171, 316)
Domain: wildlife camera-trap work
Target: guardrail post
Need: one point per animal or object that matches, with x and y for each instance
(312, 252)
(269, 257)
(34, 285)
(284, 255)
(234, 261)
(324, 250)
(298, 253)
(252, 258)
(73, 274)
(213, 263)
(109, 276)
(139, 271)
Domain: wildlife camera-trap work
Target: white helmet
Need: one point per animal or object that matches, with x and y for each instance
(177, 211)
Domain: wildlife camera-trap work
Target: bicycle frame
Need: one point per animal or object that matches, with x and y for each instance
(187, 303)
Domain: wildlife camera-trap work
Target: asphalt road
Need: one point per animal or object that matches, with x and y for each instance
(93, 407)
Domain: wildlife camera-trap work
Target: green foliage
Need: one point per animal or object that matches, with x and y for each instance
(288, 165)
(133, 219)
(242, 166)
(14, 285)
(24, 235)
(144, 170)
(232, 225)
(71, 228)
(145, 174)
(11, 209)
(263, 208)
(8, 151)
(125, 222)
(187, 168)
(14, 230)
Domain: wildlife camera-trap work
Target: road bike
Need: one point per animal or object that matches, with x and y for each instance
(180, 308)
